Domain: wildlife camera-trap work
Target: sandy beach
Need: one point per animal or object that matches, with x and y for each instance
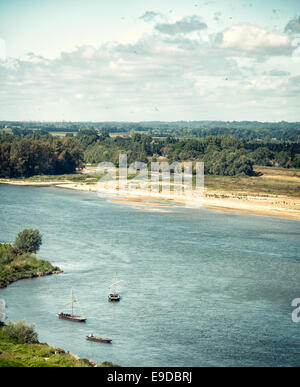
(267, 205)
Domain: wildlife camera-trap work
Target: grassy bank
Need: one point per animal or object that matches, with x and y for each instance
(25, 267)
(14, 354)
(72, 177)
(15, 265)
(270, 181)
(256, 186)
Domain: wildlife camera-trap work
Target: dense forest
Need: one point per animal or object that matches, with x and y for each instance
(24, 155)
(27, 153)
(222, 155)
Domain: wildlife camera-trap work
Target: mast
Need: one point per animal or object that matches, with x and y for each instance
(72, 296)
(71, 316)
(115, 282)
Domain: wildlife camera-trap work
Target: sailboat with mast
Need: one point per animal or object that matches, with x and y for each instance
(114, 295)
(71, 316)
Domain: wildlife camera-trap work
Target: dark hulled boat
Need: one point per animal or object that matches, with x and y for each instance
(68, 316)
(71, 316)
(91, 337)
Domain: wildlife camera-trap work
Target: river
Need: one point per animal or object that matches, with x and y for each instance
(201, 287)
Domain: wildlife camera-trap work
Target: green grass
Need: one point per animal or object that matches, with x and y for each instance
(6, 130)
(62, 134)
(273, 181)
(73, 177)
(263, 186)
(13, 354)
(91, 178)
(41, 178)
(24, 266)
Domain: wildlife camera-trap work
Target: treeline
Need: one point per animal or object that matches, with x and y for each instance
(222, 155)
(33, 154)
(24, 155)
(270, 131)
(266, 134)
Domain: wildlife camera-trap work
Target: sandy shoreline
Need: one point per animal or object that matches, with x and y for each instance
(271, 205)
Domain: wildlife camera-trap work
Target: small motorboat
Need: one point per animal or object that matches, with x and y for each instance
(91, 337)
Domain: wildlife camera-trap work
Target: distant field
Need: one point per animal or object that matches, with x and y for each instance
(6, 130)
(61, 134)
(121, 134)
(273, 181)
(272, 171)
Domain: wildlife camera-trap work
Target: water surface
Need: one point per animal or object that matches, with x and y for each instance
(201, 288)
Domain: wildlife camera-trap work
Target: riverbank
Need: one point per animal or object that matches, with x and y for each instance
(276, 192)
(14, 354)
(24, 268)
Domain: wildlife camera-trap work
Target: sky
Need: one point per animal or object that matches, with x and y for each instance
(158, 60)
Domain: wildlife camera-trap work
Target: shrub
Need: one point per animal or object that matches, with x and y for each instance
(21, 332)
(109, 364)
(28, 240)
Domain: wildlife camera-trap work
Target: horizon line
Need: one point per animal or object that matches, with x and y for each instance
(150, 121)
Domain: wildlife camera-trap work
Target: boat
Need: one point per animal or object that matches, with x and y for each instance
(71, 316)
(114, 295)
(68, 316)
(91, 337)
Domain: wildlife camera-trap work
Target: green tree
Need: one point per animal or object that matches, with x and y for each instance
(296, 161)
(230, 142)
(5, 165)
(21, 332)
(283, 159)
(262, 156)
(28, 240)
(87, 137)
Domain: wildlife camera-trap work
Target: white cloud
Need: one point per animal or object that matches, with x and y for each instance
(267, 83)
(151, 16)
(277, 73)
(252, 40)
(182, 77)
(296, 55)
(293, 26)
(30, 57)
(183, 26)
